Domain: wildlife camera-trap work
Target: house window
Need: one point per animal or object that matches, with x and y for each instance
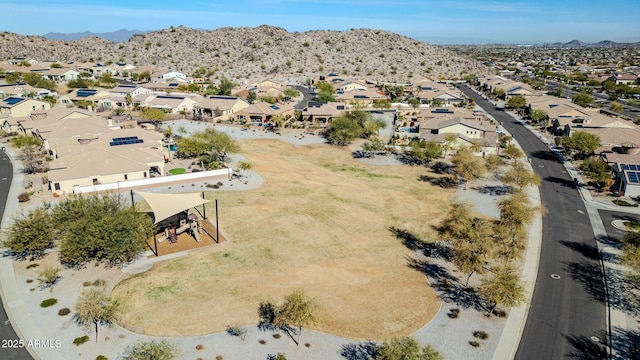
(56, 186)
(95, 181)
(126, 177)
(144, 174)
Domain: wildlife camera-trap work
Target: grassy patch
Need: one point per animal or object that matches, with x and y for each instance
(621, 202)
(177, 171)
(158, 292)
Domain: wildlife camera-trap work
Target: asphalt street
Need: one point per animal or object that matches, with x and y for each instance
(10, 348)
(567, 315)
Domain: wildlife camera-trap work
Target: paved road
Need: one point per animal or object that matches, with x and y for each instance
(7, 334)
(567, 308)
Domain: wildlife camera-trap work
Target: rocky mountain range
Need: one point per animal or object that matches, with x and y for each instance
(244, 54)
(121, 35)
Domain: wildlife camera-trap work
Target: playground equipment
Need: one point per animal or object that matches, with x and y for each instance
(192, 225)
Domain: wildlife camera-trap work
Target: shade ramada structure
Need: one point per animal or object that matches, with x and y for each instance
(167, 205)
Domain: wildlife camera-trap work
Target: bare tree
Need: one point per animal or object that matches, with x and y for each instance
(95, 308)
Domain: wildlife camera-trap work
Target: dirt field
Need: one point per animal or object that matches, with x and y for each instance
(320, 222)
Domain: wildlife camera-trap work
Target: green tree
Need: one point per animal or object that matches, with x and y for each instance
(94, 309)
(516, 102)
(153, 114)
(30, 234)
(539, 117)
(512, 152)
(516, 212)
(449, 142)
(297, 310)
(251, 96)
(382, 104)
(100, 228)
(50, 99)
(373, 125)
(107, 80)
(520, 176)
(291, 92)
(597, 169)
(492, 162)
(244, 166)
(210, 141)
(326, 91)
(468, 166)
(583, 100)
(406, 348)
(582, 142)
(374, 144)
(469, 236)
(502, 288)
(425, 151)
(342, 130)
(145, 75)
(151, 350)
(499, 93)
(616, 106)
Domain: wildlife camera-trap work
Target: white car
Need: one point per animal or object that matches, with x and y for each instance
(500, 131)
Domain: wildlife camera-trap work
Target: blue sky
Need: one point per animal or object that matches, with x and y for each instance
(433, 21)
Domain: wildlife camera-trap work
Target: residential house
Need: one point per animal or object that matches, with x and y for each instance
(23, 90)
(365, 97)
(97, 97)
(467, 132)
(171, 104)
(19, 106)
(627, 179)
(218, 106)
(261, 113)
(624, 78)
(322, 113)
(58, 74)
(125, 154)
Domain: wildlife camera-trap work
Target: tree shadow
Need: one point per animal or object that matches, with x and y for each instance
(407, 159)
(440, 167)
(445, 182)
(557, 180)
(589, 274)
(585, 348)
(625, 343)
(545, 155)
(359, 351)
(622, 293)
(447, 286)
(495, 190)
(408, 239)
(588, 251)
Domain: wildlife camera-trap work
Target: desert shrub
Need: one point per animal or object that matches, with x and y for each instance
(277, 336)
(34, 265)
(99, 282)
(454, 313)
(307, 344)
(621, 202)
(482, 335)
(64, 311)
(24, 197)
(500, 313)
(48, 302)
(199, 347)
(474, 343)
(29, 281)
(86, 283)
(80, 340)
(101, 357)
(262, 341)
(236, 330)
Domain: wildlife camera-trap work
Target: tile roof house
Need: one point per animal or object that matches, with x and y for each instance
(171, 104)
(263, 112)
(218, 106)
(58, 74)
(323, 113)
(18, 106)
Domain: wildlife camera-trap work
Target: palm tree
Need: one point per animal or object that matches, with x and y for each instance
(129, 101)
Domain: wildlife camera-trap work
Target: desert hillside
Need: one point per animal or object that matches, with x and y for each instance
(264, 51)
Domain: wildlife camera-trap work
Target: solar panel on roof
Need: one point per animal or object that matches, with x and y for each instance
(634, 177)
(125, 141)
(13, 100)
(360, 96)
(86, 92)
(274, 107)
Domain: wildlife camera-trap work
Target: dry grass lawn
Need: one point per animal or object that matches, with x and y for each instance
(320, 222)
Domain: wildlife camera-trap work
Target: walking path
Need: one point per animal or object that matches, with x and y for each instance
(449, 336)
